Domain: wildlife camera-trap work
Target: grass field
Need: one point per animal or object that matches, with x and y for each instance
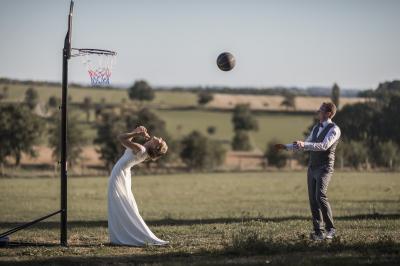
(226, 218)
(175, 99)
(285, 127)
(163, 98)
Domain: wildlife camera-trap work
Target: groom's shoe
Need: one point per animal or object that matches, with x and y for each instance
(317, 236)
(331, 233)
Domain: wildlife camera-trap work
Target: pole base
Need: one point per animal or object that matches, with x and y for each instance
(4, 241)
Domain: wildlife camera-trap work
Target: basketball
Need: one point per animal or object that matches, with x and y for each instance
(226, 61)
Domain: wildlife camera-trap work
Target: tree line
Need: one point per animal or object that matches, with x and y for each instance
(369, 131)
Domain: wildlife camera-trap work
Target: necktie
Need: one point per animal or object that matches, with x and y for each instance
(320, 125)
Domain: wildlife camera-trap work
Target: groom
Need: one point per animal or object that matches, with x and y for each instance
(321, 143)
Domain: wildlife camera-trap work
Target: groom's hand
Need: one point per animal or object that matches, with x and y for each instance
(279, 147)
(298, 144)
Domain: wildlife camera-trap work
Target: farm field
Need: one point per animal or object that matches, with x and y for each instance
(114, 96)
(284, 127)
(176, 99)
(226, 218)
(281, 127)
(278, 127)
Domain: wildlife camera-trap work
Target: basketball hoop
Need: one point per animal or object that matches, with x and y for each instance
(98, 63)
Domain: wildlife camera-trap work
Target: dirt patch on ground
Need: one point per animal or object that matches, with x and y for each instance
(45, 156)
(234, 159)
(242, 160)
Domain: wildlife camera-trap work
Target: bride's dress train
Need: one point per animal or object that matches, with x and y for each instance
(125, 225)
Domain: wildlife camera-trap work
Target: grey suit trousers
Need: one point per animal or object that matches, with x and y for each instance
(318, 180)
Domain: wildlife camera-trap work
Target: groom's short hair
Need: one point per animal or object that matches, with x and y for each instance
(330, 107)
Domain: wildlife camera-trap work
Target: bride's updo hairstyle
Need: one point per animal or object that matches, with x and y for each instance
(156, 152)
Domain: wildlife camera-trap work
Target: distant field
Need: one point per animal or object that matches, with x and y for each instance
(285, 127)
(163, 98)
(217, 219)
(273, 102)
(175, 99)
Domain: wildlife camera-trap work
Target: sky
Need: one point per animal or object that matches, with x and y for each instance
(300, 43)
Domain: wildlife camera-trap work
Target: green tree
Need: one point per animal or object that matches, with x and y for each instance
(243, 119)
(335, 96)
(289, 101)
(156, 127)
(198, 152)
(75, 139)
(367, 128)
(387, 124)
(108, 129)
(275, 157)
(141, 91)
(355, 153)
(20, 131)
(211, 130)
(31, 98)
(386, 90)
(241, 141)
(111, 125)
(357, 121)
(87, 105)
(54, 102)
(386, 154)
(204, 97)
(4, 94)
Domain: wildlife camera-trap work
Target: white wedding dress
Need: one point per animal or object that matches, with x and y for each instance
(125, 225)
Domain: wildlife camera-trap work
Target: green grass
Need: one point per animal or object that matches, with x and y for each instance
(163, 98)
(175, 99)
(285, 127)
(219, 218)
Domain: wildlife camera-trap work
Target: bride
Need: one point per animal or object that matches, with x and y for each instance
(125, 225)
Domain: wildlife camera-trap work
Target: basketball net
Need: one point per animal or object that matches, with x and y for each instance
(99, 64)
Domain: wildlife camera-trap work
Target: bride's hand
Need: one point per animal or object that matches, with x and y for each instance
(141, 130)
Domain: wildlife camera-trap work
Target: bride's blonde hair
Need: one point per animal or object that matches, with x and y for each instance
(156, 152)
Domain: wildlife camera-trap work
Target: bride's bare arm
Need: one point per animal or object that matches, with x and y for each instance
(126, 139)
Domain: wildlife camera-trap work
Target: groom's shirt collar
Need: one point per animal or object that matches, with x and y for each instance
(326, 122)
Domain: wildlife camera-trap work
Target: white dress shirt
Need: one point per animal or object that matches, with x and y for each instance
(331, 137)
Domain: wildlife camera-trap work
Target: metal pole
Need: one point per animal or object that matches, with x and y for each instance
(64, 105)
(63, 173)
(16, 229)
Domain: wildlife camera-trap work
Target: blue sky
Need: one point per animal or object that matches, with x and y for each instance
(355, 43)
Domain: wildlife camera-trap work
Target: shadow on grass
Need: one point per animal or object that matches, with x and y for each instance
(248, 241)
(22, 244)
(279, 255)
(246, 246)
(169, 221)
